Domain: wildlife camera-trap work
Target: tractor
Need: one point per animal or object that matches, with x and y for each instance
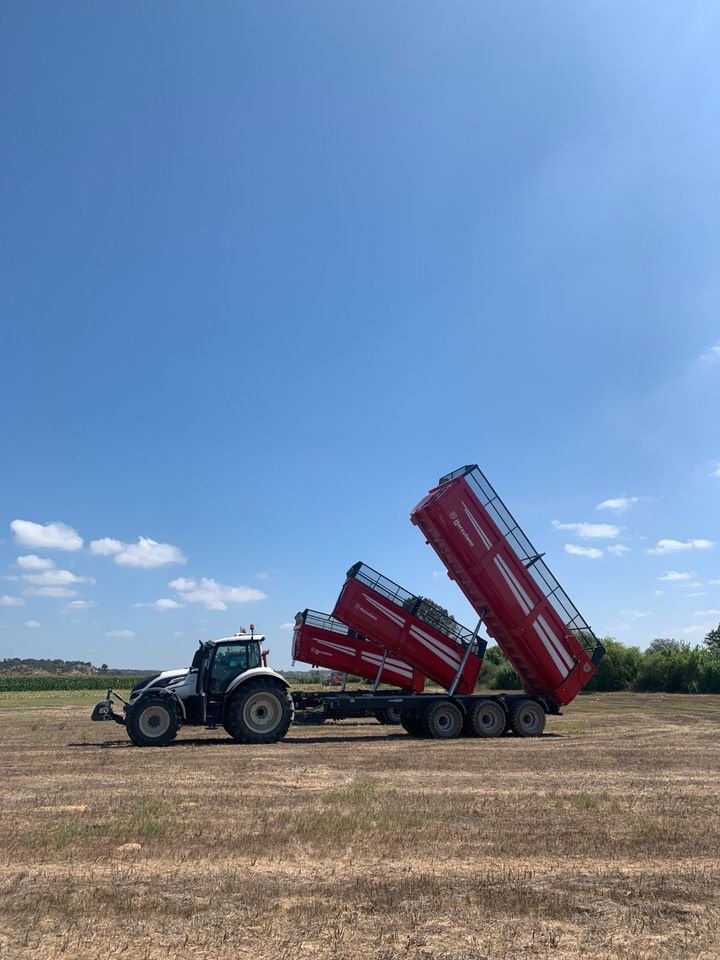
(228, 684)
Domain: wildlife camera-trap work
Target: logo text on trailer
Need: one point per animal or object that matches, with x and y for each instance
(456, 523)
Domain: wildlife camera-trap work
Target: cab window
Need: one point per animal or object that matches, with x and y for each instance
(231, 660)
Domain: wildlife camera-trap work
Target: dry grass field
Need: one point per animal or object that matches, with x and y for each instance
(351, 840)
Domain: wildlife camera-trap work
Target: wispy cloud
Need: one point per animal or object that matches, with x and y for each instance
(31, 562)
(287, 626)
(618, 504)
(618, 549)
(8, 601)
(33, 624)
(79, 605)
(636, 614)
(675, 576)
(711, 355)
(677, 546)
(707, 613)
(592, 553)
(164, 603)
(120, 634)
(590, 531)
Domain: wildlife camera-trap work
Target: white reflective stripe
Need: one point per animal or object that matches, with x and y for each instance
(509, 580)
(477, 526)
(336, 646)
(519, 586)
(441, 656)
(551, 650)
(400, 621)
(394, 666)
(552, 637)
(448, 649)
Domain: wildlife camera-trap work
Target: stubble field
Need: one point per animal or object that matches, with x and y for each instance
(599, 840)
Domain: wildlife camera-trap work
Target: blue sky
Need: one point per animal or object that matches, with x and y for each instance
(269, 270)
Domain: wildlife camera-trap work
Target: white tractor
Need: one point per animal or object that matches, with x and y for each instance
(228, 684)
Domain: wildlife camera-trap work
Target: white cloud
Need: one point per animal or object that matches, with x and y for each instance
(145, 553)
(437, 574)
(699, 628)
(50, 592)
(8, 601)
(31, 562)
(618, 549)
(590, 531)
(712, 354)
(676, 546)
(716, 471)
(636, 614)
(164, 603)
(699, 593)
(673, 576)
(287, 626)
(55, 578)
(120, 633)
(714, 583)
(619, 504)
(659, 593)
(32, 624)
(46, 536)
(106, 546)
(80, 605)
(707, 613)
(213, 595)
(263, 575)
(592, 552)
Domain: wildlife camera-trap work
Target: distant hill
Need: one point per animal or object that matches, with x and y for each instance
(28, 666)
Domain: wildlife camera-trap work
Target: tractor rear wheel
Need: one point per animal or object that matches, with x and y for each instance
(487, 719)
(259, 712)
(153, 720)
(442, 720)
(527, 718)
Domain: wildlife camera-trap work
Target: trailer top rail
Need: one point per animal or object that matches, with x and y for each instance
(529, 556)
(417, 606)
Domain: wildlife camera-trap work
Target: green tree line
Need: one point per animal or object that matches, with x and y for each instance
(22, 684)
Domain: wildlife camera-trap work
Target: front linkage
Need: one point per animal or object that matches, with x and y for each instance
(104, 709)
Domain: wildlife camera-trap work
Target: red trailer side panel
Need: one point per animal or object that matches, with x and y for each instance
(529, 615)
(323, 642)
(433, 643)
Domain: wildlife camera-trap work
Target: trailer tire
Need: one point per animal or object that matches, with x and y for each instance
(390, 716)
(487, 719)
(153, 720)
(442, 720)
(527, 718)
(412, 725)
(259, 712)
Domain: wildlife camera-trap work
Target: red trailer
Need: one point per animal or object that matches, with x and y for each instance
(321, 641)
(533, 620)
(433, 642)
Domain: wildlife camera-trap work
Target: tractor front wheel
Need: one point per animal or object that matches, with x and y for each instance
(259, 712)
(153, 721)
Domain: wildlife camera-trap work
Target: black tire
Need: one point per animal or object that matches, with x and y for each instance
(390, 716)
(259, 712)
(153, 720)
(527, 718)
(412, 725)
(487, 719)
(442, 720)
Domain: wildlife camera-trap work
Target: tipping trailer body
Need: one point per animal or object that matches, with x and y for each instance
(434, 643)
(539, 629)
(322, 641)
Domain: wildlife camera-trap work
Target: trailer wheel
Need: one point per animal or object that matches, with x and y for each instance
(153, 721)
(259, 712)
(390, 715)
(412, 725)
(487, 719)
(527, 718)
(442, 720)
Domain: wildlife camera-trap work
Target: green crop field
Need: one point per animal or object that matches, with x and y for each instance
(598, 841)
